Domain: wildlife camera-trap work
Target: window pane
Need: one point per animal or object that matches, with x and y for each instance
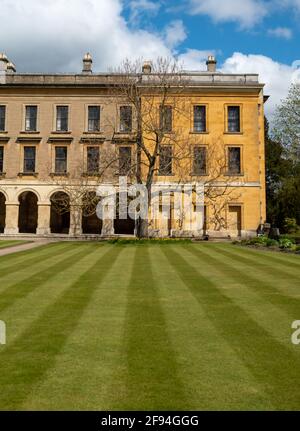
(233, 119)
(31, 118)
(200, 118)
(60, 160)
(94, 118)
(29, 159)
(62, 118)
(165, 160)
(199, 167)
(2, 118)
(234, 160)
(1, 158)
(124, 160)
(166, 118)
(93, 159)
(125, 119)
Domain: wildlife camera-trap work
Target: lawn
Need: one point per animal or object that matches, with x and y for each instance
(183, 326)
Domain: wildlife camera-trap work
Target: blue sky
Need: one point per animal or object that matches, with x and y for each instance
(226, 36)
(248, 36)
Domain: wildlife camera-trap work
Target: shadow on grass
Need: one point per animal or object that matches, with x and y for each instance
(275, 368)
(152, 380)
(24, 363)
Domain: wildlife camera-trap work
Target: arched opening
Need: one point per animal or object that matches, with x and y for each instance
(2, 212)
(123, 226)
(28, 212)
(91, 224)
(60, 213)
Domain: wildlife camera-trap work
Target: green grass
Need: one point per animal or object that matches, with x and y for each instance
(154, 326)
(11, 243)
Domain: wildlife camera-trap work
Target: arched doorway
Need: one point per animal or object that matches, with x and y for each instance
(123, 226)
(28, 212)
(91, 224)
(60, 213)
(2, 212)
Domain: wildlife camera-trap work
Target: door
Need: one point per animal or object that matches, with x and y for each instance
(234, 222)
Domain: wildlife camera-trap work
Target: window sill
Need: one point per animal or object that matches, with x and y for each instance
(3, 132)
(28, 174)
(59, 174)
(233, 133)
(29, 132)
(228, 174)
(96, 132)
(61, 132)
(193, 132)
(91, 174)
(198, 175)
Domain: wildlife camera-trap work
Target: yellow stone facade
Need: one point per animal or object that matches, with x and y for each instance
(241, 214)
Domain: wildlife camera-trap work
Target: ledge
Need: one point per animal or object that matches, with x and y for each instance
(92, 139)
(4, 139)
(28, 174)
(66, 139)
(30, 132)
(192, 132)
(59, 174)
(35, 139)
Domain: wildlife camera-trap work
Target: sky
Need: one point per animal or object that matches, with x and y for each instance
(248, 36)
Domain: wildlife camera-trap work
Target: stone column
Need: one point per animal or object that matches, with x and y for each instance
(75, 221)
(11, 218)
(107, 227)
(44, 211)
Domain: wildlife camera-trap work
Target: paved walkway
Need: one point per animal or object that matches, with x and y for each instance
(23, 247)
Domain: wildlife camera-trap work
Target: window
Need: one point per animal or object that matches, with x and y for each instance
(234, 160)
(124, 160)
(234, 119)
(1, 159)
(29, 159)
(125, 119)
(2, 118)
(199, 160)
(93, 159)
(31, 119)
(199, 118)
(62, 113)
(61, 160)
(166, 118)
(94, 118)
(165, 160)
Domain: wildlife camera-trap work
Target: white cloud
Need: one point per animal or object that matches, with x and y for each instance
(246, 13)
(175, 33)
(138, 7)
(53, 35)
(194, 59)
(277, 76)
(281, 32)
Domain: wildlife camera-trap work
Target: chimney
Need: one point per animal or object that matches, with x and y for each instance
(87, 63)
(3, 62)
(211, 64)
(147, 67)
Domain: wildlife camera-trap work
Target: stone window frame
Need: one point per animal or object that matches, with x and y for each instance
(5, 117)
(22, 155)
(54, 123)
(24, 106)
(227, 173)
(226, 106)
(86, 118)
(192, 130)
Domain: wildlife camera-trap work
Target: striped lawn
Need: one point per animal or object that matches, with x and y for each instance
(184, 326)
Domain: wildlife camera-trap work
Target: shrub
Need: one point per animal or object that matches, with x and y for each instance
(286, 243)
(290, 225)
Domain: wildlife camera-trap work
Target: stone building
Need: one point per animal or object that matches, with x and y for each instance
(54, 127)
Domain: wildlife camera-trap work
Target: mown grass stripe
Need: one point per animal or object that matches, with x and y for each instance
(152, 378)
(262, 263)
(24, 287)
(254, 346)
(267, 290)
(30, 258)
(283, 258)
(25, 362)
